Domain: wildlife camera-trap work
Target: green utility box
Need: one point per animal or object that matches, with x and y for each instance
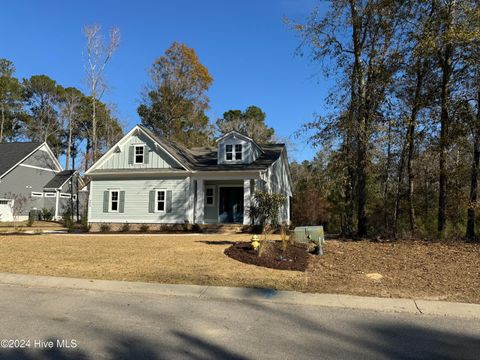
(306, 234)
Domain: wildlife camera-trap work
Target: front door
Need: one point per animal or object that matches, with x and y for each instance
(230, 209)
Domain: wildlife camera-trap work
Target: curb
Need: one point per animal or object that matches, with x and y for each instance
(418, 307)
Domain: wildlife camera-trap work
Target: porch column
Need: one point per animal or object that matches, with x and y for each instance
(200, 209)
(246, 201)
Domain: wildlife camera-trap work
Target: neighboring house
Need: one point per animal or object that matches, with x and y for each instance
(32, 178)
(146, 179)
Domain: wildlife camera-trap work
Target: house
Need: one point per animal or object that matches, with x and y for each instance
(32, 178)
(145, 179)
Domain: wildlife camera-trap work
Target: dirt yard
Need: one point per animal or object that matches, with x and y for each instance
(407, 269)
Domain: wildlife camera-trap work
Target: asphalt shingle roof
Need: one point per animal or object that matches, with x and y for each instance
(58, 180)
(12, 153)
(205, 159)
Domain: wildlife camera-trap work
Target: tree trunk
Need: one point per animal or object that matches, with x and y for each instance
(386, 224)
(94, 127)
(472, 201)
(447, 69)
(398, 196)
(2, 124)
(87, 152)
(69, 143)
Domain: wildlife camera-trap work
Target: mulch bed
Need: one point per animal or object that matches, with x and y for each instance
(295, 257)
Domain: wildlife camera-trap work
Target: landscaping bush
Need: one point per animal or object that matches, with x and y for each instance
(68, 221)
(47, 214)
(125, 227)
(30, 221)
(104, 227)
(144, 228)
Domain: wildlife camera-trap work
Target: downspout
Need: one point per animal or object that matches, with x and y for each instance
(57, 198)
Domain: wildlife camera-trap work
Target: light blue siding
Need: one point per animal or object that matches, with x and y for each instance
(137, 198)
(157, 158)
(250, 151)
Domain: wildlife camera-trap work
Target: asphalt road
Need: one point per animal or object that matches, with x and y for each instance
(110, 325)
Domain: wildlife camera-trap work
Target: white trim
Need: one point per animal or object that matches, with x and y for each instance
(89, 205)
(38, 168)
(57, 200)
(135, 146)
(241, 136)
(26, 157)
(50, 194)
(157, 201)
(110, 200)
(36, 194)
(122, 141)
(211, 187)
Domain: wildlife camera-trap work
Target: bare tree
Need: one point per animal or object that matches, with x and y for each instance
(98, 55)
(71, 102)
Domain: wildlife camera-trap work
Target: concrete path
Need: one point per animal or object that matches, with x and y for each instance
(55, 318)
(437, 308)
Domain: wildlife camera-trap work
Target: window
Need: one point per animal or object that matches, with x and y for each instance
(114, 200)
(67, 196)
(37, 194)
(50, 194)
(229, 152)
(139, 154)
(4, 202)
(209, 196)
(238, 151)
(160, 200)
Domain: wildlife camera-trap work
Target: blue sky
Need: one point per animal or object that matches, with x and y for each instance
(245, 44)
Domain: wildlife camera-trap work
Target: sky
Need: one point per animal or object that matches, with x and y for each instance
(246, 46)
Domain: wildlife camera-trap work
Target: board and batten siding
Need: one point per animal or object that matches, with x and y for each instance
(136, 205)
(156, 157)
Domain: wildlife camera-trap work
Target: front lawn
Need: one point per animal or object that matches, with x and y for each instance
(408, 269)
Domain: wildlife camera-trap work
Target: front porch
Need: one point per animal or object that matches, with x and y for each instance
(223, 201)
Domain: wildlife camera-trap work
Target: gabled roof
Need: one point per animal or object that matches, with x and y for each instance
(241, 136)
(12, 153)
(59, 179)
(199, 159)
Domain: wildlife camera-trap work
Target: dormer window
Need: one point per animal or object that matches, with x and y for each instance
(230, 154)
(139, 154)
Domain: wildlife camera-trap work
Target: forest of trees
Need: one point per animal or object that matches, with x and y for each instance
(399, 150)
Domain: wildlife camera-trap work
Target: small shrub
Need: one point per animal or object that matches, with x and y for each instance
(196, 228)
(68, 221)
(30, 221)
(104, 228)
(47, 214)
(144, 228)
(125, 227)
(284, 232)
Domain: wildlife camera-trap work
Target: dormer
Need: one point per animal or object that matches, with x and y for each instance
(236, 148)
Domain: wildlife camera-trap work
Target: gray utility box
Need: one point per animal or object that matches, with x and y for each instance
(305, 234)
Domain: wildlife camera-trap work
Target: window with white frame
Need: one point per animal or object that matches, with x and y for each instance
(209, 196)
(37, 194)
(49, 194)
(66, 196)
(238, 152)
(139, 154)
(114, 200)
(160, 200)
(233, 152)
(228, 152)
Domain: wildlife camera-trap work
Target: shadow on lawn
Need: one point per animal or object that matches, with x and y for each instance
(221, 242)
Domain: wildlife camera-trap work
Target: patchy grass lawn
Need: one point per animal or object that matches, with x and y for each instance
(409, 269)
(19, 226)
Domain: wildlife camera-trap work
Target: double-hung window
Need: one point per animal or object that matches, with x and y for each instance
(209, 196)
(160, 200)
(238, 151)
(230, 154)
(139, 154)
(114, 200)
